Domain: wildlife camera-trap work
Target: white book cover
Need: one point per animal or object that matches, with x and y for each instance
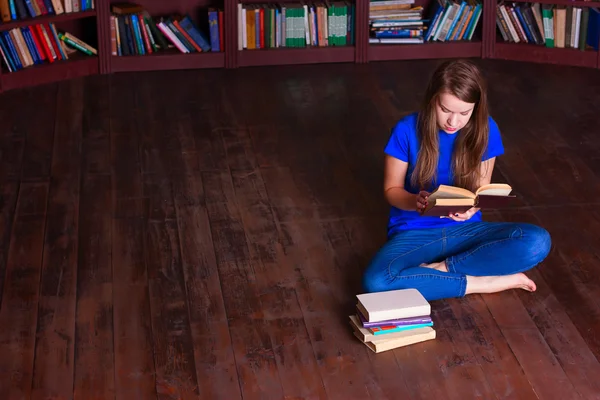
(404, 303)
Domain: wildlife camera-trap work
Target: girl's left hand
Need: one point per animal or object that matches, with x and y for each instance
(464, 216)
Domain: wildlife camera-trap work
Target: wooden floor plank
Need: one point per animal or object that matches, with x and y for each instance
(254, 354)
(491, 350)
(133, 341)
(215, 364)
(54, 355)
(13, 134)
(180, 164)
(296, 362)
(8, 202)
(96, 126)
(303, 242)
(39, 136)
(18, 315)
(173, 348)
(575, 349)
(94, 352)
(176, 375)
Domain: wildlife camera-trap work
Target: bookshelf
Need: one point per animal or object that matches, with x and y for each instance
(38, 28)
(525, 35)
(294, 32)
(462, 38)
(145, 56)
(96, 23)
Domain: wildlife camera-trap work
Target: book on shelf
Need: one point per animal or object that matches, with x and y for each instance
(395, 21)
(552, 26)
(399, 21)
(319, 24)
(133, 31)
(14, 10)
(38, 44)
(454, 20)
(450, 199)
(392, 319)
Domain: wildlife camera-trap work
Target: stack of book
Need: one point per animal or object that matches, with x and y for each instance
(392, 319)
(395, 21)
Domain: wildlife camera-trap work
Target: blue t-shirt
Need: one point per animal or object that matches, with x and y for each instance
(403, 144)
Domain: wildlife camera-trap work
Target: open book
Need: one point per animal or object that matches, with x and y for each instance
(449, 199)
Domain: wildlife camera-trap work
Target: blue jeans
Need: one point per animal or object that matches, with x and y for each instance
(469, 248)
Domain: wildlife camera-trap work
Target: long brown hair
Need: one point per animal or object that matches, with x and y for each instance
(464, 80)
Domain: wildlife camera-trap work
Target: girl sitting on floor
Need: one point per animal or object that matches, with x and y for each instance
(451, 141)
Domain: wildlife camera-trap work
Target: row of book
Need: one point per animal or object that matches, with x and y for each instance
(548, 25)
(317, 24)
(454, 20)
(392, 319)
(134, 32)
(38, 44)
(397, 21)
(13, 10)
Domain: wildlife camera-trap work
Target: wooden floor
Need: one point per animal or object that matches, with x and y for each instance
(202, 234)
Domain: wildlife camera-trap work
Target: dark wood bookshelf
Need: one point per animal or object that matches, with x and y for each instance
(77, 65)
(562, 2)
(168, 60)
(388, 52)
(541, 54)
(288, 56)
(172, 58)
(94, 28)
(546, 55)
(44, 19)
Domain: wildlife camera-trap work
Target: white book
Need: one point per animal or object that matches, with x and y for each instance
(403, 303)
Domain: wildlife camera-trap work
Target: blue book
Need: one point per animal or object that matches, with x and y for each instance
(213, 23)
(9, 59)
(195, 33)
(593, 36)
(13, 50)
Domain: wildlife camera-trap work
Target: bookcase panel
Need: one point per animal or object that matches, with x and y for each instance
(545, 55)
(425, 27)
(167, 35)
(76, 66)
(573, 3)
(47, 18)
(161, 7)
(283, 56)
(385, 52)
(548, 32)
(292, 32)
(169, 60)
(93, 26)
(83, 28)
(30, 50)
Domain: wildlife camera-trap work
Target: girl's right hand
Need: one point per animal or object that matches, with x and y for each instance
(422, 201)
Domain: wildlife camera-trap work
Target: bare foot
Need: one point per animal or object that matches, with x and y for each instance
(493, 284)
(440, 266)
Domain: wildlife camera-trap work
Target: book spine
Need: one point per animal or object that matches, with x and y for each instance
(74, 44)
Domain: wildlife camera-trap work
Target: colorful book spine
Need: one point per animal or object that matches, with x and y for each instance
(394, 322)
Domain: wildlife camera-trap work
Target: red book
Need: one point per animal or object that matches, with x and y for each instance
(262, 28)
